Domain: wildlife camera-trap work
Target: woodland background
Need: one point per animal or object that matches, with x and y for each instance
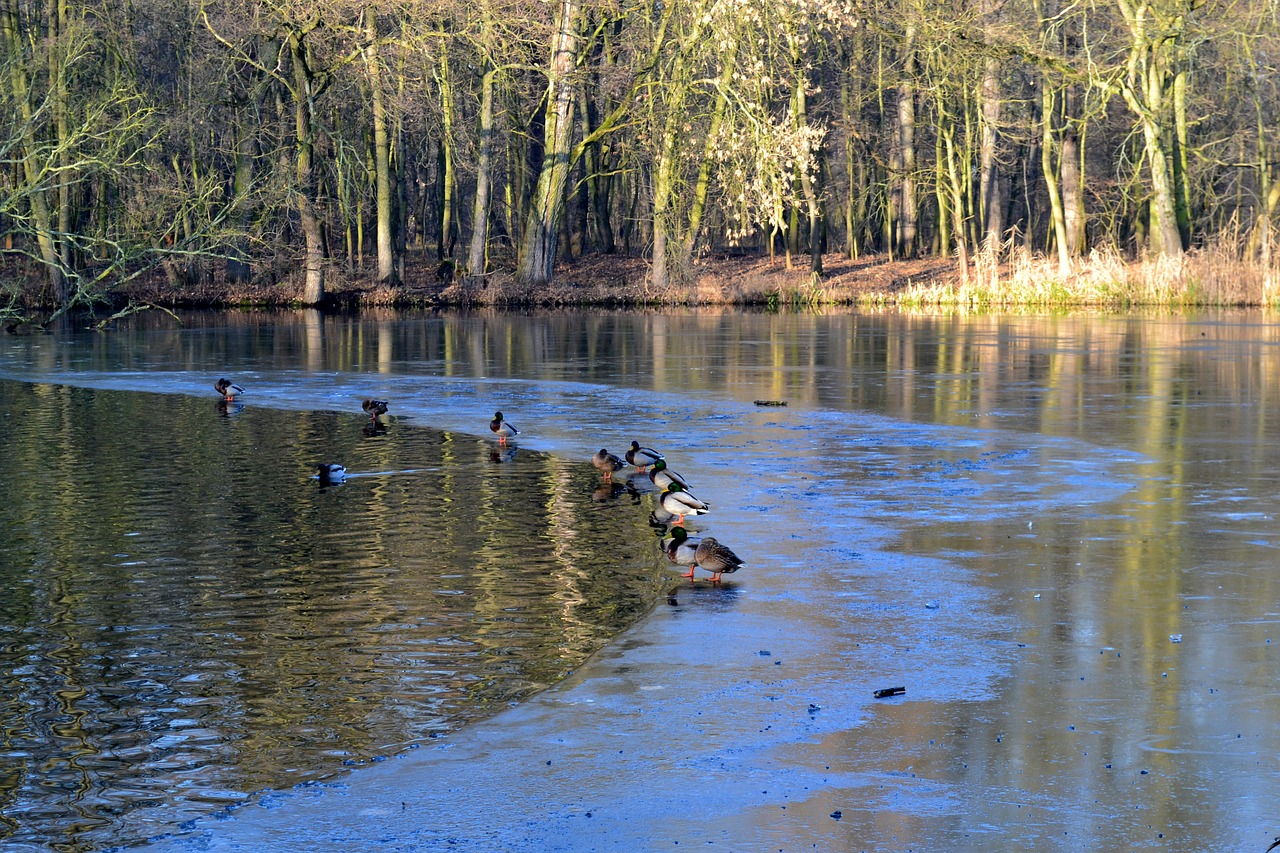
(1096, 150)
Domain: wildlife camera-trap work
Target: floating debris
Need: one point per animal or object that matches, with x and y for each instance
(889, 691)
(771, 402)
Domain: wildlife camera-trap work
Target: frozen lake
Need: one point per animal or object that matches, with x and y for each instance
(1057, 533)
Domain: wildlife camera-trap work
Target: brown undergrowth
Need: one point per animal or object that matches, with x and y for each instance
(1103, 279)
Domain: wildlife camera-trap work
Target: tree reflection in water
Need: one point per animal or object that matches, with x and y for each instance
(188, 618)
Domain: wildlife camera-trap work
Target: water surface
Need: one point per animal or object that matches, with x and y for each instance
(1058, 532)
(189, 616)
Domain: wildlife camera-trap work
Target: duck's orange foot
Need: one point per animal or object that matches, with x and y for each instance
(688, 574)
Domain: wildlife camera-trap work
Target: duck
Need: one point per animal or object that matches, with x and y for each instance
(716, 557)
(680, 549)
(662, 476)
(228, 389)
(374, 408)
(680, 503)
(641, 457)
(607, 463)
(502, 429)
(329, 473)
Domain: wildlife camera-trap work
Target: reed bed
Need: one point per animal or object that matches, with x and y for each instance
(1221, 274)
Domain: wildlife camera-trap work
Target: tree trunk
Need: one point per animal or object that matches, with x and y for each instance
(1181, 174)
(59, 96)
(37, 200)
(448, 180)
(907, 209)
(957, 200)
(484, 168)
(1072, 171)
(1052, 185)
(800, 104)
(538, 254)
(383, 181)
(1144, 90)
(304, 87)
(989, 183)
(663, 187)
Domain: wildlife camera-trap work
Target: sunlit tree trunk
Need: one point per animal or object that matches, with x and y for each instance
(989, 182)
(1181, 172)
(956, 183)
(808, 179)
(703, 184)
(1050, 172)
(1073, 175)
(383, 178)
(907, 213)
(1145, 90)
(448, 178)
(538, 254)
(484, 168)
(305, 89)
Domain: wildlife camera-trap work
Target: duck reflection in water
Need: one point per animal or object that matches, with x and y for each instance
(610, 490)
(717, 597)
(227, 408)
(374, 429)
(502, 453)
(607, 491)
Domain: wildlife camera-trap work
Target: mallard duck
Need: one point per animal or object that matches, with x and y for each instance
(502, 429)
(680, 549)
(662, 476)
(680, 503)
(641, 457)
(373, 408)
(330, 473)
(716, 558)
(607, 463)
(228, 389)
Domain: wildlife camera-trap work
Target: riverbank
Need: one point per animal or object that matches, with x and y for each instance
(611, 280)
(1216, 276)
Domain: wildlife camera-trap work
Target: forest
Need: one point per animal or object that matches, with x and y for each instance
(300, 144)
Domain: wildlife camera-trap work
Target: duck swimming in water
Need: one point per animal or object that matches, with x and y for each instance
(502, 429)
(330, 474)
(228, 389)
(607, 463)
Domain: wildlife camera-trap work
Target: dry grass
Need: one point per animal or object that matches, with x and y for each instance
(1217, 275)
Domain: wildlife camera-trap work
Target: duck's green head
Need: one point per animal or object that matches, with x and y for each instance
(659, 464)
(635, 445)
(679, 535)
(673, 487)
(497, 416)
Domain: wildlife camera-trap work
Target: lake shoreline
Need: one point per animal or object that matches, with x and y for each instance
(1103, 281)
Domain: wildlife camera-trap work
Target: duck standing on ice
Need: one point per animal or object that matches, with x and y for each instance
(502, 429)
(228, 389)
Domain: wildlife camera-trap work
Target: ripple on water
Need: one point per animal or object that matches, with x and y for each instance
(191, 619)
